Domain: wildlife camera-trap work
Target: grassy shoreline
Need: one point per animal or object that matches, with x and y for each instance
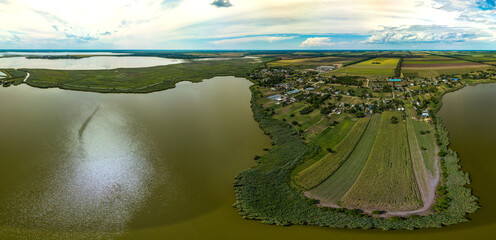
(138, 80)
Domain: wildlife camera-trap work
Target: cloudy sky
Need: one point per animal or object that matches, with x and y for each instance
(248, 24)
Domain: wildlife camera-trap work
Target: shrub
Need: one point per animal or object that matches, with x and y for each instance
(394, 120)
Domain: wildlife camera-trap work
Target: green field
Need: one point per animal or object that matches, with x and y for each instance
(321, 170)
(139, 80)
(379, 62)
(336, 186)
(387, 181)
(379, 68)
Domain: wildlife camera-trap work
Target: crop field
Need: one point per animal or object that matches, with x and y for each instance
(380, 68)
(436, 72)
(438, 62)
(329, 138)
(311, 62)
(336, 186)
(379, 62)
(365, 72)
(480, 57)
(321, 170)
(387, 181)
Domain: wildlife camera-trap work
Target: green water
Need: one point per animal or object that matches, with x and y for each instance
(78, 165)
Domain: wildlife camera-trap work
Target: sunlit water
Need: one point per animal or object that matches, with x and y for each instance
(78, 165)
(89, 63)
(58, 53)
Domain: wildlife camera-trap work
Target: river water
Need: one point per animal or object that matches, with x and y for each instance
(79, 165)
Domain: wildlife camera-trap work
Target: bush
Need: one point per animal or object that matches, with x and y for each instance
(442, 153)
(394, 120)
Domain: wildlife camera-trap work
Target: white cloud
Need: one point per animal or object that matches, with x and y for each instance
(251, 39)
(156, 23)
(421, 34)
(317, 42)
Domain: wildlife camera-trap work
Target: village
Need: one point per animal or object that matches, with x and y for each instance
(314, 100)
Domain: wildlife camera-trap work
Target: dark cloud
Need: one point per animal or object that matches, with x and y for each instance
(221, 3)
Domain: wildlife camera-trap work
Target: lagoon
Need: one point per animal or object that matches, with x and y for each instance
(89, 63)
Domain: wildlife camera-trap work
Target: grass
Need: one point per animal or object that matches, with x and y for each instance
(427, 143)
(418, 162)
(387, 181)
(321, 170)
(139, 80)
(338, 184)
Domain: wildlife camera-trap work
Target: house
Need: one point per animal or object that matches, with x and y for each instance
(425, 114)
(293, 91)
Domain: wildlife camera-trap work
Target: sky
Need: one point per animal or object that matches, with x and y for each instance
(248, 24)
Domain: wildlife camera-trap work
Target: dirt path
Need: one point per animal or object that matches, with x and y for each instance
(27, 76)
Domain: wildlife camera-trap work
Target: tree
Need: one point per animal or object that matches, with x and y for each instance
(394, 120)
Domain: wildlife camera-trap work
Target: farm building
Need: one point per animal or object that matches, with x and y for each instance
(293, 92)
(276, 97)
